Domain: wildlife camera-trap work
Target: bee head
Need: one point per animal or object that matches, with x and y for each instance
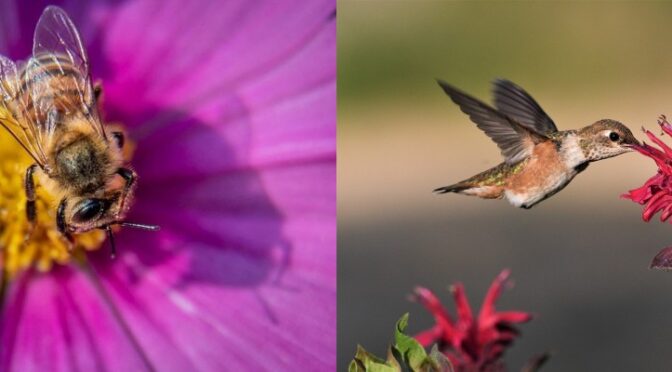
(95, 212)
(83, 214)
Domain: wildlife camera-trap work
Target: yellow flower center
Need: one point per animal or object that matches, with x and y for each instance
(22, 244)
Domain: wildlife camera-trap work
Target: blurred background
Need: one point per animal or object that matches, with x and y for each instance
(580, 259)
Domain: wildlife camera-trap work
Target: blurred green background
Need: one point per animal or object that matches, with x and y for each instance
(580, 258)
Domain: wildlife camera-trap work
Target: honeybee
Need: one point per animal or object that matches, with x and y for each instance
(50, 106)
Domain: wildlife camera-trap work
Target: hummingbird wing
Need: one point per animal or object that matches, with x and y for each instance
(514, 102)
(514, 140)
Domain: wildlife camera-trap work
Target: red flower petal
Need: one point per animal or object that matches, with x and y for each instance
(657, 141)
(656, 193)
(471, 344)
(428, 337)
(664, 125)
(513, 317)
(434, 306)
(656, 203)
(464, 313)
(667, 212)
(493, 294)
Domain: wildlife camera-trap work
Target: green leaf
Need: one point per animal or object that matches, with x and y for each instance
(406, 354)
(355, 367)
(411, 351)
(364, 355)
(367, 362)
(392, 361)
(441, 359)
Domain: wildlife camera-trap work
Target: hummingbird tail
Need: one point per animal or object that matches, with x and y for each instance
(458, 187)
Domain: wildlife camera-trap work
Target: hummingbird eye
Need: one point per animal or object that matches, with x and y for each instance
(614, 136)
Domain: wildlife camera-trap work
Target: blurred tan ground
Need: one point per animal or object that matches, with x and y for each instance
(580, 258)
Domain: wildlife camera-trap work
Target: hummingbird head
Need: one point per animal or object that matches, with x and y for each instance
(606, 138)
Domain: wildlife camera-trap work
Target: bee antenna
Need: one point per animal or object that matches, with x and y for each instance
(110, 237)
(140, 226)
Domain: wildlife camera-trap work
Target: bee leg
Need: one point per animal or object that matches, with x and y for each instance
(119, 139)
(62, 225)
(110, 238)
(97, 90)
(130, 176)
(29, 185)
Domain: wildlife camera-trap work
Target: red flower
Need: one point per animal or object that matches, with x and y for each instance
(471, 344)
(656, 193)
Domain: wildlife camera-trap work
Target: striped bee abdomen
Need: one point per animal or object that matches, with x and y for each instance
(51, 87)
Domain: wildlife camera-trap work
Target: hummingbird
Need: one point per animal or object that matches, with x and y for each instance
(540, 160)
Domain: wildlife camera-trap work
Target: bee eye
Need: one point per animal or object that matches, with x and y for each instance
(88, 210)
(614, 136)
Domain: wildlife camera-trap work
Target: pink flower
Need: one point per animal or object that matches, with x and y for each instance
(471, 343)
(232, 106)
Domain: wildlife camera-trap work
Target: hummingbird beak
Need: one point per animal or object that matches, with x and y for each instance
(632, 145)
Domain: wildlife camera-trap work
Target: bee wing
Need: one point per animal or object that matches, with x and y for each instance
(11, 109)
(56, 34)
(56, 79)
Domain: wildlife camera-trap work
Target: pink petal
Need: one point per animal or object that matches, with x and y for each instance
(180, 278)
(60, 322)
(256, 39)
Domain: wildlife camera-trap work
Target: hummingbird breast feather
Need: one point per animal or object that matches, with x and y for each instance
(545, 174)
